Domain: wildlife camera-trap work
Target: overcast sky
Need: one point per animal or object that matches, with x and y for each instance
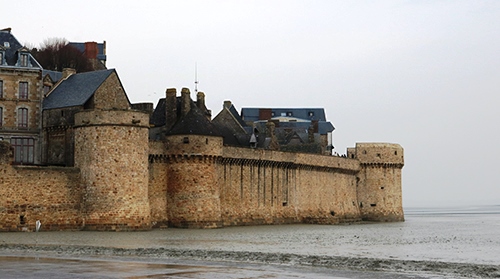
(424, 74)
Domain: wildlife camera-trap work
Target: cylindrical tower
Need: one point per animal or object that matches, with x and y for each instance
(379, 181)
(193, 199)
(111, 150)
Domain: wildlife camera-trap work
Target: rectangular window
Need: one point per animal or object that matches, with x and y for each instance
(23, 150)
(1, 89)
(22, 118)
(46, 89)
(1, 57)
(1, 116)
(24, 60)
(23, 90)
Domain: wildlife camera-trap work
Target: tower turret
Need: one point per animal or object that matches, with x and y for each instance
(193, 147)
(111, 150)
(379, 180)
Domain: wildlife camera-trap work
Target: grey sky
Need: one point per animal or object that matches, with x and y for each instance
(425, 74)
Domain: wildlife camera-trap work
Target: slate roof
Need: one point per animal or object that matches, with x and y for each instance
(252, 114)
(76, 90)
(11, 49)
(237, 116)
(54, 75)
(158, 118)
(194, 123)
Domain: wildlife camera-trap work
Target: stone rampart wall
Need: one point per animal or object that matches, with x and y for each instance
(271, 187)
(52, 195)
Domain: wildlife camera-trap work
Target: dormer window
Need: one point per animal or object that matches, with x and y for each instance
(6, 44)
(311, 114)
(289, 113)
(1, 57)
(23, 60)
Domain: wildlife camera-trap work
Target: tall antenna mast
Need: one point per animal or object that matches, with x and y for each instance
(195, 77)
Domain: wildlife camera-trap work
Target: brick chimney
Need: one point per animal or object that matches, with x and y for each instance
(91, 50)
(171, 108)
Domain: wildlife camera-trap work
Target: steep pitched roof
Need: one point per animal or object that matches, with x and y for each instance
(194, 123)
(54, 75)
(10, 45)
(158, 117)
(76, 90)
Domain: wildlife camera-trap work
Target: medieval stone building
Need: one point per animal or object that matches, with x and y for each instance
(112, 165)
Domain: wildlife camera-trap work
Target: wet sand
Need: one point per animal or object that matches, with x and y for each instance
(422, 247)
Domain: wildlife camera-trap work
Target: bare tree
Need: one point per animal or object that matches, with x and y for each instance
(56, 54)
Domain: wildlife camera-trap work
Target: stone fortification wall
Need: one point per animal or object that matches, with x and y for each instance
(270, 187)
(50, 194)
(158, 177)
(379, 181)
(111, 149)
(193, 198)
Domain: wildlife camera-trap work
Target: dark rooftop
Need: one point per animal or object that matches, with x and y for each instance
(76, 90)
(10, 45)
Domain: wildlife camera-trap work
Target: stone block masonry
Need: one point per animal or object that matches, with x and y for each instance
(50, 194)
(111, 150)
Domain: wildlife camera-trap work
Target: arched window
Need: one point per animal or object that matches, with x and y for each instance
(22, 117)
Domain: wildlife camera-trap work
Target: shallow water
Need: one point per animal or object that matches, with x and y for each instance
(467, 235)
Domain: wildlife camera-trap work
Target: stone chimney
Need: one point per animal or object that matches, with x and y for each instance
(185, 101)
(67, 72)
(171, 108)
(227, 104)
(200, 101)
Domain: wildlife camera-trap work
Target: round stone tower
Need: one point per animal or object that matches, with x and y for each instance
(193, 147)
(111, 150)
(379, 181)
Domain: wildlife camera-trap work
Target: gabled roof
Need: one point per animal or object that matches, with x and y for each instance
(54, 75)
(11, 46)
(76, 90)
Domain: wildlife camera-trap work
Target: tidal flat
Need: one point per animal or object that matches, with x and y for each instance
(432, 243)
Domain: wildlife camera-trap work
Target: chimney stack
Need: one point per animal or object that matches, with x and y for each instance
(91, 50)
(171, 108)
(227, 104)
(200, 101)
(185, 101)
